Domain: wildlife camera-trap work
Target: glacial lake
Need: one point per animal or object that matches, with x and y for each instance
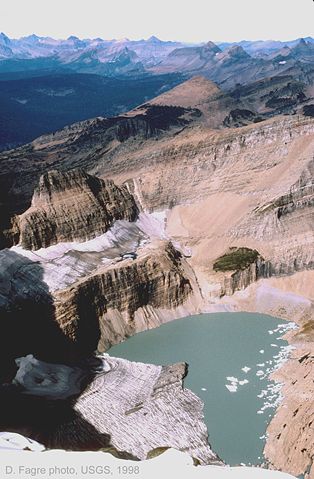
(230, 356)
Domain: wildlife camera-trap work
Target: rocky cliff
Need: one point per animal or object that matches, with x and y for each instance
(286, 222)
(291, 444)
(134, 145)
(240, 267)
(77, 299)
(81, 145)
(72, 206)
(124, 298)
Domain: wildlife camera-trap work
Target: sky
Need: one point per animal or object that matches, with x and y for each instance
(190, 21)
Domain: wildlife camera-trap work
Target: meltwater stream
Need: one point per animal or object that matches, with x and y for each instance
(230, 356)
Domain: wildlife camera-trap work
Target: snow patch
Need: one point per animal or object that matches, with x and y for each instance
(171, 460)
(66, 262)
(13, 441)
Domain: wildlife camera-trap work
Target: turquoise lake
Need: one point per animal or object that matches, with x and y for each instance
(230, 356)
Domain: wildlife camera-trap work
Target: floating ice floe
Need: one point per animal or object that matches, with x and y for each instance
(232, 379)
(245, 381)
(232, 387)
(284, 328)
(270, 332)
(262, 351)
(272, 394)
(262, 394)
(246, 369)
(235, 383)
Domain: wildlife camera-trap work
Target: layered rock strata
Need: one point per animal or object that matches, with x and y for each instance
(288, 218)
(248, 187)
(290, 446)
(241, 279)
(124, 298)
(239, 267)
(85, 296)
(69, 206)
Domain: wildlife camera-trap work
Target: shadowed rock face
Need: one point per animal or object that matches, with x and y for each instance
(73, 206)
(82, 404)
(238, 117)
(27, 317)
(156, 279)
(102, 307)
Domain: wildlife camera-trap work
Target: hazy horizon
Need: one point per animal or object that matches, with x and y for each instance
(152, 35)
(198, 22)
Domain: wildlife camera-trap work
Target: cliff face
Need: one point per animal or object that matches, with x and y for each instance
(291, 444)
(253, 189)
(201, 163)
(100, 298)
(82, 145)
(241, 279)
(111, 298)
(286, 223)
(73, 206)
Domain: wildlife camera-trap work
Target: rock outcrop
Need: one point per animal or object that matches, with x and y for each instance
(73, 206)
(287, 220)
(124, 298)
(76, 300)
(125, 147)
(290, 444)
(240, 267)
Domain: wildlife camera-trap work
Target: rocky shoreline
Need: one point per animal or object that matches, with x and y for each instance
(289, 443)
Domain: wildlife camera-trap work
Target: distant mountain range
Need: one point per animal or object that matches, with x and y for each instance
(261, 47)
(136, 57)
(119, 56)
(46, 84)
